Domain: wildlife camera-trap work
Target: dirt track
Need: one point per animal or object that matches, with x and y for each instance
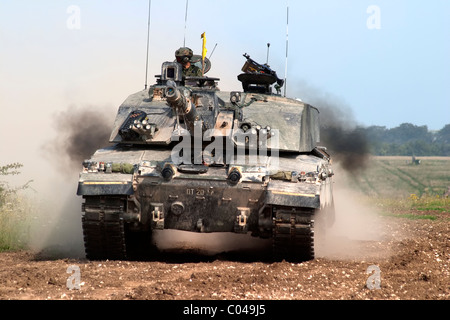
(413, 260)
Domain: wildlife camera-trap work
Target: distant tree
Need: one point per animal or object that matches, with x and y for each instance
(376, 133)
(443, 135)
(408, 132)
(407, 140)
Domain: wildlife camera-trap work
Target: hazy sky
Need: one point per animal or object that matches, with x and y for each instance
(388, 60)
(385, 61)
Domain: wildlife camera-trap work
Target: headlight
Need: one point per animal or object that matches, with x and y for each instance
(168, 172)
(234, 175)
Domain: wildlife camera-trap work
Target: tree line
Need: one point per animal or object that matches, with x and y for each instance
(407, 140)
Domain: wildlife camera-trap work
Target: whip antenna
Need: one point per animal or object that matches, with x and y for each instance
(212, 52)
(148, 41)
(185, 23)
(287, 48)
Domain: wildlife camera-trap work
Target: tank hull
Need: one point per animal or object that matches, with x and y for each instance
(119, 205)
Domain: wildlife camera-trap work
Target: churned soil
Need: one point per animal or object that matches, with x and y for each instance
(411, 260)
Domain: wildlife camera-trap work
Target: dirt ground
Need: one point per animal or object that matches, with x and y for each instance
(410, 260)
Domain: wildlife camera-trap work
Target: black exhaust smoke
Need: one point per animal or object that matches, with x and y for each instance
(346, 142)
(348, 147)
(79, 133)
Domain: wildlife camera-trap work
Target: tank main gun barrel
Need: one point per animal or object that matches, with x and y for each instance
(179, 102)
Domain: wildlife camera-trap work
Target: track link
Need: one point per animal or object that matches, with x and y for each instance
(103, 232)
(293, 234)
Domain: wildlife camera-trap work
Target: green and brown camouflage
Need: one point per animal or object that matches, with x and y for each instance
(186, 156)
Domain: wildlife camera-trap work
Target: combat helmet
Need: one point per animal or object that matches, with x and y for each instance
(184, 55)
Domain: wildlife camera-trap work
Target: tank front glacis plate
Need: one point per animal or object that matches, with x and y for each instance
(208, 202)
(201, 205)
(206, 196)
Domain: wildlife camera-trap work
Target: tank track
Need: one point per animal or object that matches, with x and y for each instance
(103, 232)
(293, 234)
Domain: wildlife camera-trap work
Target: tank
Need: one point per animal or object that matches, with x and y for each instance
(185, 155)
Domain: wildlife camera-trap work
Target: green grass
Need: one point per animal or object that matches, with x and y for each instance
(410, 216)
(397, 177)
(419, 217)
(15, 217)
(425, 204)
(441, 204)
(400, 189)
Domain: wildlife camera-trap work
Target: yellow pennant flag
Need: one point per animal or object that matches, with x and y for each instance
(204, 46)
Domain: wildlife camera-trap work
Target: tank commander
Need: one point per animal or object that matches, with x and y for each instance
(184, 56)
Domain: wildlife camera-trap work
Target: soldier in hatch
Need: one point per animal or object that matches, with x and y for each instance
(184, 56)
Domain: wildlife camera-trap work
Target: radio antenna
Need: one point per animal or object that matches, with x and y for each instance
(212, 52)
(185, 22)
(148, 41)
(267, 61)
(287, 48)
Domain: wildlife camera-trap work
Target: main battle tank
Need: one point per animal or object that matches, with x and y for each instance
(187, 156)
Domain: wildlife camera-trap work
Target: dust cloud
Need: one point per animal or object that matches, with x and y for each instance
(56, 230)
(358, 226)
(228, 244)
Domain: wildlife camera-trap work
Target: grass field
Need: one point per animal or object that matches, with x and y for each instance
(397, 177)
(15, 222)
(397, 183)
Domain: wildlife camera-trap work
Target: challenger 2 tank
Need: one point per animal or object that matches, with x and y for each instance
(185, 155)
